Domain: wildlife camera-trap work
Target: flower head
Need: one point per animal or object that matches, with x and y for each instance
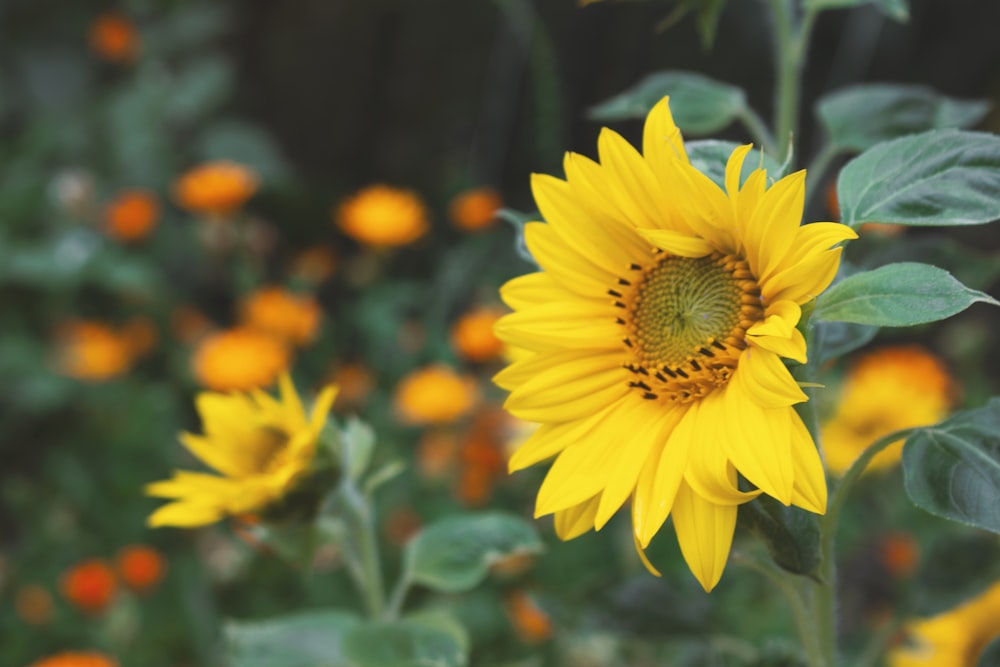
(90, 585)
(260, 445)
(656, 331)
(472, 335)
(953, 639)
(886, 390)
(475, 209)
(141, 567)
(283, 314)
(113, 37)
(91, 351)
(215, 189)
(239, 359)
(434, 395)
(131, 215)
(382, 216)
(76, 659)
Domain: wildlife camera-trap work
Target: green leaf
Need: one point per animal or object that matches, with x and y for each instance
(710, 156)
(707, 15)
(953, 469)
(790, 534)
(955, 569)
(359, 440)
(940, 177)
(402, 644)
(199, 88)
(441, 620)
(898, 10)
(858, 117)
(307, 639)
(247, 144)
(518, 219)
(897, 295)
(700, 105)
(835, 339)
(455, 554)
(990, 657)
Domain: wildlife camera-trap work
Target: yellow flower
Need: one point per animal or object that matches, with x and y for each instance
(281, 313)
(475, 209)
(656, 331)
(434, 395)
(239, 359)
(215, 188)
(889, 389)
(382, 216)
(954, 639)
(261, 446)
(77, 659)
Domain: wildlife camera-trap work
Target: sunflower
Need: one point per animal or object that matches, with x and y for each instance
(262, 446)
(655, 332)
(956, 638)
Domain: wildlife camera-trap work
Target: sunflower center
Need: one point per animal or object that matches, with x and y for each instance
(686, 320)
(269, 448)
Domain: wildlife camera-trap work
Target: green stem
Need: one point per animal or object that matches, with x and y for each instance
(800, 613)
(817, 168)
(791, 43)
(824, 595)
(757, 128)
(398, 596)
(370, 580)
(879, 643)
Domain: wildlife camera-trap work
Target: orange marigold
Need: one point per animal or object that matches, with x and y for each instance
(113, 37)
(900, 554)
(434, 395)
(530, 622)
(90, 585)
(283, 314)
(239, 359)
(33, 604)
(141, 567)
(76, 659)
(383, 216)
(131, 215)
(216, 188)
(472, 335)
(91, 351)
(475, 209)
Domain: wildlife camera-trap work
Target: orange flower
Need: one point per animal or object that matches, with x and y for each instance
(475, 209)
(90, 585)
(91, 351)
(481, 457)
(215, 189)
(239, 359)
(33, 604)
(434, 395)
(113, 37)
(131, 215)
(76, 659)
(530, 622)
(356, 382)
(283, 314)
(472, 335)
(314, 265)
(900, 554)
(383, 216)
(141, 567)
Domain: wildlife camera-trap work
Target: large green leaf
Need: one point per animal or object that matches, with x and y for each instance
(940, 177)
(835, 339)
(709, 156)
(858, 117)
(700, 105)
(953, 469)
(455, 554)
(790, 534)
(308, 639)
(402, 644)
(955, 569)
(897, 295)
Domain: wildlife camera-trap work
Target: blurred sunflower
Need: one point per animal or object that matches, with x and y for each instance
(886, 390)
(656, 331)
(954, 639)
(216, 189)
(239, 359)
(261, 446)
(382, 216)
(76, 659)
(286, 315)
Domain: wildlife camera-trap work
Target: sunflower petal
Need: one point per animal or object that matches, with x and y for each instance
(677, 243)
(766, 380)
(810, 492)
(576, 520)
(758, 442)
(705, 533)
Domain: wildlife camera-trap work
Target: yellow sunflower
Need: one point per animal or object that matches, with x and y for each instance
(956, 638)
(261, 446)
(656, 330)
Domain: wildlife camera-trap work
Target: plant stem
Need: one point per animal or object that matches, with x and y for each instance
(791, 43)
(370, 580)
(824, 594)
(800, 613)
(398, 596)
(817, 168)
(757, 128)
